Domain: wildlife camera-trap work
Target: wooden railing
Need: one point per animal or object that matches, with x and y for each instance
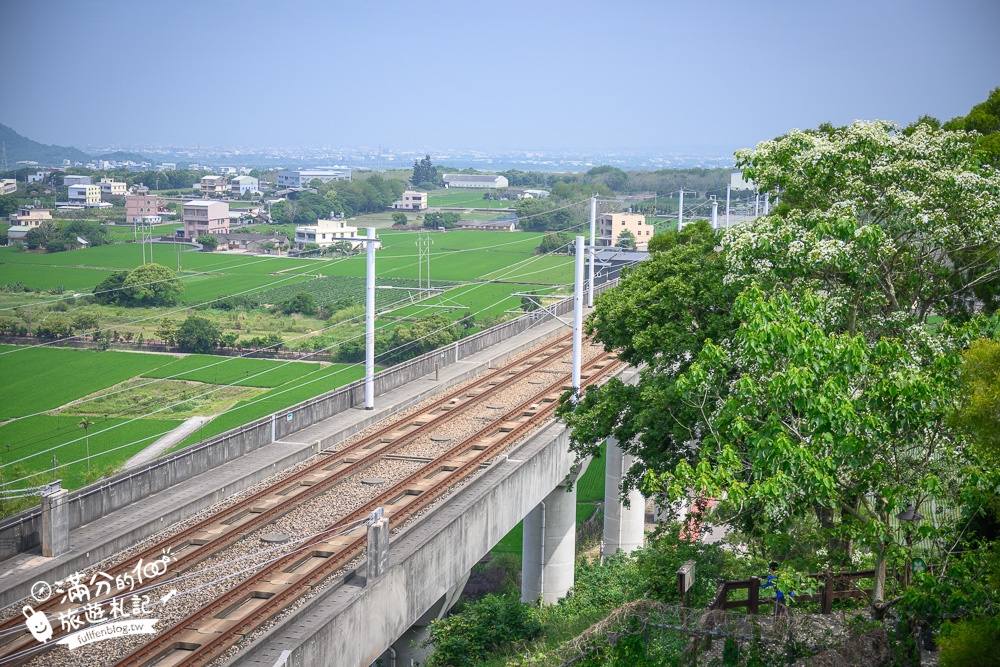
(834, 586)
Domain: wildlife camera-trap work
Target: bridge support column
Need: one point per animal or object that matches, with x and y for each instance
(55, 523)
(549, 549)
(406, 650)
(624, 527)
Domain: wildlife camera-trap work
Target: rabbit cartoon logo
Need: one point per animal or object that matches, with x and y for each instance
(38, 624)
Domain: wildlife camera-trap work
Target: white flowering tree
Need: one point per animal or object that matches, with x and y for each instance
(824, 396)
(892, 227)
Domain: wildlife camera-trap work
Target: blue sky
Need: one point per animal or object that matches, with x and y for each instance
(491, 75)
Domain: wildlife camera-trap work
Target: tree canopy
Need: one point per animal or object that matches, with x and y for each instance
(425, 173)
(197, 334)
(151, 285)
(805, 366)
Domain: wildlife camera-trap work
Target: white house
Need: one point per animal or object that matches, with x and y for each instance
(327, 232)
(411, 201)
(243, 184)
(86, 195)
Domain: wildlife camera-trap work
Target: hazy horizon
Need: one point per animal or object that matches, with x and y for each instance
(517, 77)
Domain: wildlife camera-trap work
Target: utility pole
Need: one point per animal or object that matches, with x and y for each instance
(756, 205)
(728, 188)
(370, 322)
(680, 210)
(593, 253)
(420, 264)
(715, 214)
(578, 319)
(767, 203)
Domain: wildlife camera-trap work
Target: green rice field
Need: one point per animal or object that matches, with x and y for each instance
(43, 378)
(480, 269)
(28, 446)
(461, 197)
(236, 371)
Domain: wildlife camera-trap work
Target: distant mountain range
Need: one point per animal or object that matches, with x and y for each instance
(22, 148)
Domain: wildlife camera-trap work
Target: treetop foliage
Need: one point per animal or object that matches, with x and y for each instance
(425, 173)
(806, 366)
(146, 285)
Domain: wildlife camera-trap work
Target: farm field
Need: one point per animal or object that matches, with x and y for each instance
(42, 379)
(456, 256)
(29, 446)
(467, 198)
(480, 270)
(233, 370)
(124, 233)
(279, 398)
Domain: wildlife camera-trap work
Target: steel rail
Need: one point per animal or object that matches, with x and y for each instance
(540, 407)
(12, 642)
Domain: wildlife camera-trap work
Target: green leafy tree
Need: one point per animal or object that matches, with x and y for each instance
(555, 242)
(208, 242)
(84, 321)
(529, 303)
(658, 318)
(441, 220)
(826, 397)
(167, 330)
(540, 215)
(8, 205)
(626, 240)
(303, 302)
(33, 239)
(484, 626)
(424, 172)
(197, 334)
(399, 218)
(613, 177)
(426, 334)
(109, 291)
(152, 285)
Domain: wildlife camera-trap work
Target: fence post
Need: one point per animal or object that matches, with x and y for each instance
(753, 595)
(826, 598)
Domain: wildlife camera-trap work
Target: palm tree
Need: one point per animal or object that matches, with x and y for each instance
(85, 424)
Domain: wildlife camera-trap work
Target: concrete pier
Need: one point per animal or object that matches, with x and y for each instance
(55, 523)
(378, 548)
(549, 549)
(407, 650)
(624, 527)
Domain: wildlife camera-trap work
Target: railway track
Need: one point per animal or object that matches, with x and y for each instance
(207, 634)
(212, 535)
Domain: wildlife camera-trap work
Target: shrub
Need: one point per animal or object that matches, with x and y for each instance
(303, 302)
(971, 642)
(466, 638)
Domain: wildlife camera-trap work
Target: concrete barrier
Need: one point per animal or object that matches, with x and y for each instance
(23, 531)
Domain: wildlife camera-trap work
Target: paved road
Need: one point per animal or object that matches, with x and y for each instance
(166, 442)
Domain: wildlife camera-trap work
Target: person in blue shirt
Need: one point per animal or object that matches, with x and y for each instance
(780, 607)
